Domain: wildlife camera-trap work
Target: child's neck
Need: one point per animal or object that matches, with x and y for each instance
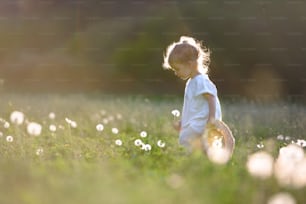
(194, 73)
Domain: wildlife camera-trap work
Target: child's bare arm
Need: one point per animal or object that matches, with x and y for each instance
(212, 108)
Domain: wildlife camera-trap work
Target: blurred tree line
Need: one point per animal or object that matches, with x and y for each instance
(258, 47)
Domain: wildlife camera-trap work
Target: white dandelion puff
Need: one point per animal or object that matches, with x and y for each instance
(143, 134)
(115, 131)
(9, 138)
(138, 142)
(39, 151)
(280, 137)
(6, 125)
(52, 128)
(288, 164)
(52, 115)
(146, 147)
(175, 113)
(34, 129)
(1, 134)
(17, 117)
(260, 165)
(161, 144)
(118, 142)
(260, 146)
(281, 198)
(301, 143)
(99, 127)
(105, 121)
(72, 123)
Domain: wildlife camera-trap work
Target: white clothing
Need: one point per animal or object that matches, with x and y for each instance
(195, 109)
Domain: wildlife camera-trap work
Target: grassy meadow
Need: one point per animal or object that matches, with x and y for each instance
(86, 151)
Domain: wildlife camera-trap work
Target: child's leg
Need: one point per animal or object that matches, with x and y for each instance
(190, 140)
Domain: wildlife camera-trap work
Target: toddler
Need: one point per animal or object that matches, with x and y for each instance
(189, 60)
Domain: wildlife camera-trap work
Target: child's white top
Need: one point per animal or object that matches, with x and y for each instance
(195, 109)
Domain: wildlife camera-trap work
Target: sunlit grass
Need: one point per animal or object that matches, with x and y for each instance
(123, 149)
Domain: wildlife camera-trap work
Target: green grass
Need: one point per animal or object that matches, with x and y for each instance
(82, 165)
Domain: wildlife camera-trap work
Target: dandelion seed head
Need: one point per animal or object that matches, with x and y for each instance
(118, 142)
(161, 144)
(74, 124)
(99, 127)
(105, 121)
(291, 153)
(281, 198)
(39, 151)
(260, 165)
(280, 137)
(146, 147)
(175, 113)
(9, 138)
(290, 166)
(34, 129)
(6, 125)
(138, 142)
(52, 115)
(1, 134)
(260, 146)
(52, 128)
(143, 134)
(17, 117)
(301, 143)
(115, 131)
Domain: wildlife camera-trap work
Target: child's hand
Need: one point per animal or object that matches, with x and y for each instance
(177, 125)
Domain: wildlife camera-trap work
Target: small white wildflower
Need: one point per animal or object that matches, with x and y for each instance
(99, 127)
(161, 144)
(118, 142)
(9, 138)
(175, 113)
(52, 128)
(34, 129)
(52, 115)
(115, 131)
(17, 117)
(143, 134)
(39, 151)
(138, 142)
(260, 165)
(6, 125)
